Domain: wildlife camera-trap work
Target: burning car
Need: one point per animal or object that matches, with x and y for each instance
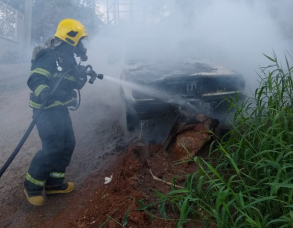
(153, 90)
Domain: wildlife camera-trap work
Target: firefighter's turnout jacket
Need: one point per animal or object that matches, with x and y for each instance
(44, 74)
(54, 124)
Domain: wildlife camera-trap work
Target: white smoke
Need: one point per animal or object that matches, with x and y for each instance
(235, 34)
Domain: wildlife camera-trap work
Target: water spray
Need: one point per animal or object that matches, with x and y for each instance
(185, 106)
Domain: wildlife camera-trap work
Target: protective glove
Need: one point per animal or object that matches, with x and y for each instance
(80, 74)
(44, 95)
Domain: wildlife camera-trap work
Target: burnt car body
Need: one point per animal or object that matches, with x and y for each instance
(165, 87)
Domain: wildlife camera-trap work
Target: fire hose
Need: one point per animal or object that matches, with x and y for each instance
(89, 71)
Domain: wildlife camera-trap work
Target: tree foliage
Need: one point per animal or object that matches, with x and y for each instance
(16, 4)
(47, 15)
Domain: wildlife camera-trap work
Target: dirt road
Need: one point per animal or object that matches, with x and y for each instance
(98, 125)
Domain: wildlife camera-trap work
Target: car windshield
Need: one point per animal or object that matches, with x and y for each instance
(161, 70)
(150, 59)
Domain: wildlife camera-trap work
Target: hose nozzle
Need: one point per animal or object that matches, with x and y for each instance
(90, 72)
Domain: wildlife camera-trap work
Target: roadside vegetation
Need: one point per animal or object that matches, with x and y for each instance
(248, 179)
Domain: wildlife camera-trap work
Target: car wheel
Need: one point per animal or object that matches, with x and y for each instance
(132, 122)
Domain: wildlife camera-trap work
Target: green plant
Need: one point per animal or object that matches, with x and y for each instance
(250, 184)
(124, 222)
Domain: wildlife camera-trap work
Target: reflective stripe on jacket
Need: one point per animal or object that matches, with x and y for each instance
(71, 102)
(44, 76)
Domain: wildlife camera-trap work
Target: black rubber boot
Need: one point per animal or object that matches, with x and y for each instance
(61, 189)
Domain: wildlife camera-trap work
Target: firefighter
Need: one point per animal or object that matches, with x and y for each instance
(54, 125)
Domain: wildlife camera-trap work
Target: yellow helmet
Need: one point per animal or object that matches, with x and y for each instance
(70, 31)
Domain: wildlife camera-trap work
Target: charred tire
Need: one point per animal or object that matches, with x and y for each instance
(132, 122)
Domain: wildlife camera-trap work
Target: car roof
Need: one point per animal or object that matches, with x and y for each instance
(162, 70)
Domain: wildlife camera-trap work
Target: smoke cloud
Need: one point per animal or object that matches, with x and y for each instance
(235, 34)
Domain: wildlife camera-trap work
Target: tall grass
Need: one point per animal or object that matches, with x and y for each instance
(250, 183)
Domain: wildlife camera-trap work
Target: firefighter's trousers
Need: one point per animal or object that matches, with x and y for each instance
(49, 164)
